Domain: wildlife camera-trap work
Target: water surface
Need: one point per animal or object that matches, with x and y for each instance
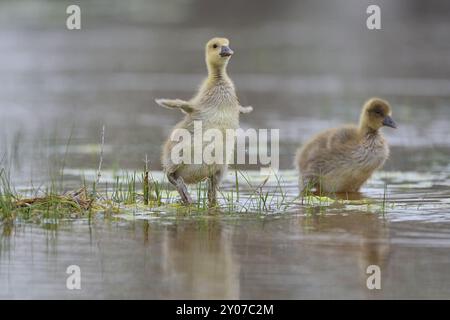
(304, 66)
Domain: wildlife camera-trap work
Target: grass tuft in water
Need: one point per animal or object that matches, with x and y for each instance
(49, 204)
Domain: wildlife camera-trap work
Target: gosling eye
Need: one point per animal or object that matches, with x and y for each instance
(215, 46)
(378, 112)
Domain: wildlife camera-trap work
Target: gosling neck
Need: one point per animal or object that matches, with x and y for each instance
(364, 128)
(217, 73)
(366, 131)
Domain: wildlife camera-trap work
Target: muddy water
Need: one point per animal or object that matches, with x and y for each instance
(304, 67)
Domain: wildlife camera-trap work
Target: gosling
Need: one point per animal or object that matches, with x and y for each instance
(341, 160)
(216, 106)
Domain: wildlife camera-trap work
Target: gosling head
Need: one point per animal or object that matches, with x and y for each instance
(218, 53)
(376, 113)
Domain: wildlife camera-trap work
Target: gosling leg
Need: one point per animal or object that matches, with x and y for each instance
(212, 191)
(181, 188)
(213, 186)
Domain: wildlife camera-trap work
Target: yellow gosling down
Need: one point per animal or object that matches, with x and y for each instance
(217, 107)
(341, 160)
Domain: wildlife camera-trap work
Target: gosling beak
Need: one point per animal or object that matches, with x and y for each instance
(225, 51)
(389, 122)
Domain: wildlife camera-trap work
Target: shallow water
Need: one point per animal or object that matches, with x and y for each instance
(318, 250)
(304, 67)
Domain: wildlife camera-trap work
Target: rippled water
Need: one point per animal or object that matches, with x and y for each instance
(304, 67)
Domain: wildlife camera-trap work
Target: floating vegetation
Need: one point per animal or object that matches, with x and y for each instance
(132, 194)
(72, 204)
(121, 194)
(147, 195)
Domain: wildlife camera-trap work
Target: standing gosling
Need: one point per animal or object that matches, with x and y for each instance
(216, 106)
(342, 159)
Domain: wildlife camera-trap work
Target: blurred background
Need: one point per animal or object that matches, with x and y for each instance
(303, 65)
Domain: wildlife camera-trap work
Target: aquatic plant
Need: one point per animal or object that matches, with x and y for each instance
(140, 192)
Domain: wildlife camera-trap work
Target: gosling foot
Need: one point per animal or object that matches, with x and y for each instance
(181, 188)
